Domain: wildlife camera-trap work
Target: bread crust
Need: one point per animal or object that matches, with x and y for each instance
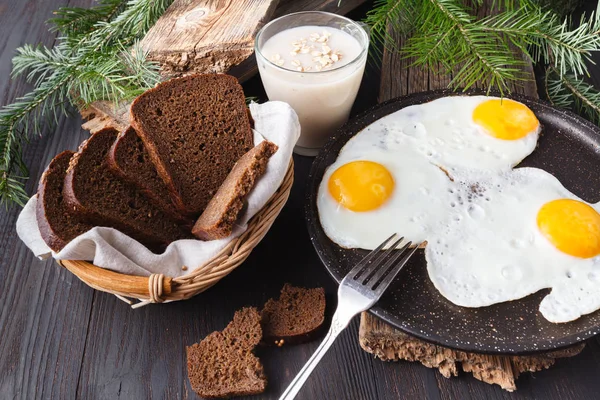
(217, 220)
(54, 239)
(285, 310)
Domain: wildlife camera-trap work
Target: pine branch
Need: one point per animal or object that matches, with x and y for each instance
(567, 91)
(79, 20)
(15, 129)
(570, 50)
(90, 63)
(389, 17)
(132, 23)
(37, 63)
(446, 33)
(115, 76)
(542, 36)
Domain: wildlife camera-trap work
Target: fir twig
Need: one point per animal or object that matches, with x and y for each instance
(447, 32)
(15, 129)
(388, 17)
(567, 91)
(78, 20)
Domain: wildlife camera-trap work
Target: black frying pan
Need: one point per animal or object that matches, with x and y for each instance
(569, 148)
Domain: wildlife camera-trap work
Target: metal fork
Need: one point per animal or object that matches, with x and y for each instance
(358, 291)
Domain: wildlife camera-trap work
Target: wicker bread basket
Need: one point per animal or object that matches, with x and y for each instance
(158, 288)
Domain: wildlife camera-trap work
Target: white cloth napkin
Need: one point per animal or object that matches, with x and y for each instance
(111, 249)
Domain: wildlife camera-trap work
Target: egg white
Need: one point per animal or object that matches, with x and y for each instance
(412, 143)
(490, 249)
(444, 132)
(421, 195)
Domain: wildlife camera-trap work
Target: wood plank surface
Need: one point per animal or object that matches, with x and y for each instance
(44, 310)
(59, 339)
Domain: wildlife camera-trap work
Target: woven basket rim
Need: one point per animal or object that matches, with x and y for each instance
(158, 288)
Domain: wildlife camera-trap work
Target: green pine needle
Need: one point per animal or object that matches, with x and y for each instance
(389, 17)
(447, 32)
(568, 91)
(79, 20)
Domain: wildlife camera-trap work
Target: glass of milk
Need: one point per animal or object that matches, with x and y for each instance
(313, 61)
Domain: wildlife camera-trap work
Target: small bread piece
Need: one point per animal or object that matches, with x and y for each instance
(222, 364)
(129, 159)
(195, 128)
(295, 317)
(96, 195)
(57, 226)
(216, 222)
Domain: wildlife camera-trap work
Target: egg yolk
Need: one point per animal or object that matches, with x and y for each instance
(571, 226)
(505, 119)
(361, 185)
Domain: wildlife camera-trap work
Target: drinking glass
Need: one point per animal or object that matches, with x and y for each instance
(322, 99)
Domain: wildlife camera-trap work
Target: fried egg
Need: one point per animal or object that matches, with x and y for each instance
(515, 233)
(459, 132)
(365, 196)
(442, 172)
(392, 176)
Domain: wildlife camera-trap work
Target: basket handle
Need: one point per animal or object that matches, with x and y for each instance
(113, 282)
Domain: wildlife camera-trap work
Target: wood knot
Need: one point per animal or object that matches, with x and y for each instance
(191, 18)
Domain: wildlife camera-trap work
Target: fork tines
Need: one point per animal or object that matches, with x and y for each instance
(376, 267)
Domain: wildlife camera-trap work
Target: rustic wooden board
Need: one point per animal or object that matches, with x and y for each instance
(206, 35)
(399, 78)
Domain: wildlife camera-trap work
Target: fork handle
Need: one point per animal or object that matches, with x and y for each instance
(338, 324)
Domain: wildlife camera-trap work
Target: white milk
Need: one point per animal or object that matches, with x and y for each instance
(314, 69)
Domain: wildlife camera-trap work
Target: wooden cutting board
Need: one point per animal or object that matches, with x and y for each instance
(208, 36)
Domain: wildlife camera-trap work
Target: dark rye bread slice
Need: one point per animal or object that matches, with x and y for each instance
(195, 128)
(57, 226)
(216, 222)
(101, 198)
(222, 364)
(295, 317)
(129, 159)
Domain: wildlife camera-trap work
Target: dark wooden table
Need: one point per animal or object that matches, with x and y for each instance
(60, 339)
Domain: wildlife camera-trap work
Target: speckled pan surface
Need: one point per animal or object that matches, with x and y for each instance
(569, 148)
